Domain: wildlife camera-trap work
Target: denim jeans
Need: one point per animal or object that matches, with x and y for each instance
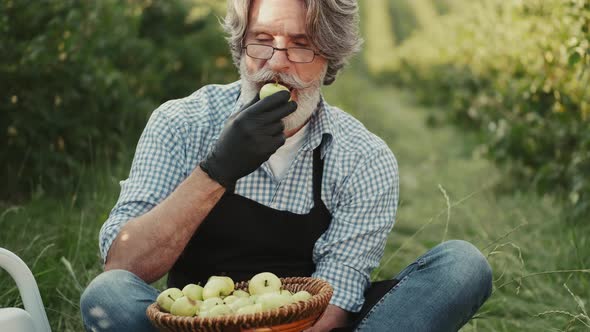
(440, 291)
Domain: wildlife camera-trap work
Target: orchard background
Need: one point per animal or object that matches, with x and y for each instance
(485, 103)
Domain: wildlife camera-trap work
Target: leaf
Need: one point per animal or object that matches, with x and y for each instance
(574, 58)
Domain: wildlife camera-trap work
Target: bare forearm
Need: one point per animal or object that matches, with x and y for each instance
(150, 244)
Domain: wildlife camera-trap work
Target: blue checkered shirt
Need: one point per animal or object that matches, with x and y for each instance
(360, 185)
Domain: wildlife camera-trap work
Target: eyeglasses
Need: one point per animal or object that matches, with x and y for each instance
(294, 54)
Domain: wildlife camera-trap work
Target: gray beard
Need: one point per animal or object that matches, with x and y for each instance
(308, 94)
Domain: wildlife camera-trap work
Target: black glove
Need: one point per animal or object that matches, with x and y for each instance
(248, 139)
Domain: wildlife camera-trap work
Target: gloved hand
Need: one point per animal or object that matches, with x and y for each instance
(249, 139)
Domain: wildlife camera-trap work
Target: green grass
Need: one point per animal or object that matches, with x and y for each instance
(58, 239)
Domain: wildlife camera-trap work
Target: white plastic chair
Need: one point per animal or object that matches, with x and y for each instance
(33, 318)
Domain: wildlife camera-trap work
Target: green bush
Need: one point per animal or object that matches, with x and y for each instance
(519, 73)
(403, 20)
(80, 78)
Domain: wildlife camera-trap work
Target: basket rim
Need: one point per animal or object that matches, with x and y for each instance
(285, 314)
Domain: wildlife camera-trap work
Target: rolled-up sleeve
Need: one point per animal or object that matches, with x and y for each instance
(157, 169)
(346, 254)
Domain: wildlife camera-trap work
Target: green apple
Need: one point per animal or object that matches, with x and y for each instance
(193, 292)
(250, 309)
(167, 298)
(265, 282)
(241, 293)
(220, 310)
(274, 300)
(230, 299)
(301, 296)
(184, 307)
(230, 284)
(218, 287)
(210, 303)
(240, 302)
(271, 88)
(285, 292)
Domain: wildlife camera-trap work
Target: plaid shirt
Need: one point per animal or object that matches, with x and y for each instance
(360, 185)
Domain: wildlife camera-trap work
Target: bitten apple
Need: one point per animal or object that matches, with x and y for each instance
(271, 88)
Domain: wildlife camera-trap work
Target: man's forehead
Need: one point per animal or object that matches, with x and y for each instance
(280, 17)
(261, 28)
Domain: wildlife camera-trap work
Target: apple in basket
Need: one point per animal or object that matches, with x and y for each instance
(240, 303)
(184, 306)
(274, 300)
(167, 298)
(241, 293)
(210, 303)
(217, 287)
(219, 297)
(264, 282)
(193, 292)
(218, 310)
(250, 309)
(301, 296)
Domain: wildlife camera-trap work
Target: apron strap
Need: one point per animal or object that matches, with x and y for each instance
(318, 167)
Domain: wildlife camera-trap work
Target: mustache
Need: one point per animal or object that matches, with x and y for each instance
(264, 75)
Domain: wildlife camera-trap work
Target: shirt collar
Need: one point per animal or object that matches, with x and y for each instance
(321, 128)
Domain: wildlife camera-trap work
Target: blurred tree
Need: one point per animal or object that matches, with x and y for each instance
(517, 71)
(80, 78)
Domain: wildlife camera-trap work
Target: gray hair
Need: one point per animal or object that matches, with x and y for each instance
(332, 27)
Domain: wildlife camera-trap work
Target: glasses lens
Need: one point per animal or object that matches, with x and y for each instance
(297, 54)
(259, 51)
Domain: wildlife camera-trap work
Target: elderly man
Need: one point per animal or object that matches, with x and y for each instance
(223, 183)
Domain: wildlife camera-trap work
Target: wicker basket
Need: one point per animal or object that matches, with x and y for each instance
(290, 318)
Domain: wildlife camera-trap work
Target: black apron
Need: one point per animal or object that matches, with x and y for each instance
(241, 237)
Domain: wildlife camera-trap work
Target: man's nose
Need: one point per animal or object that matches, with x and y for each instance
(279, 61)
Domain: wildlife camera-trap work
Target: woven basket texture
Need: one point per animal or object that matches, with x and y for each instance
(290, 318)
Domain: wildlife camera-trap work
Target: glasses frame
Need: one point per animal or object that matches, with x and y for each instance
(274, 49)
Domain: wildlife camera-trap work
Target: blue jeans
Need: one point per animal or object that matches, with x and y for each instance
(440, 291)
